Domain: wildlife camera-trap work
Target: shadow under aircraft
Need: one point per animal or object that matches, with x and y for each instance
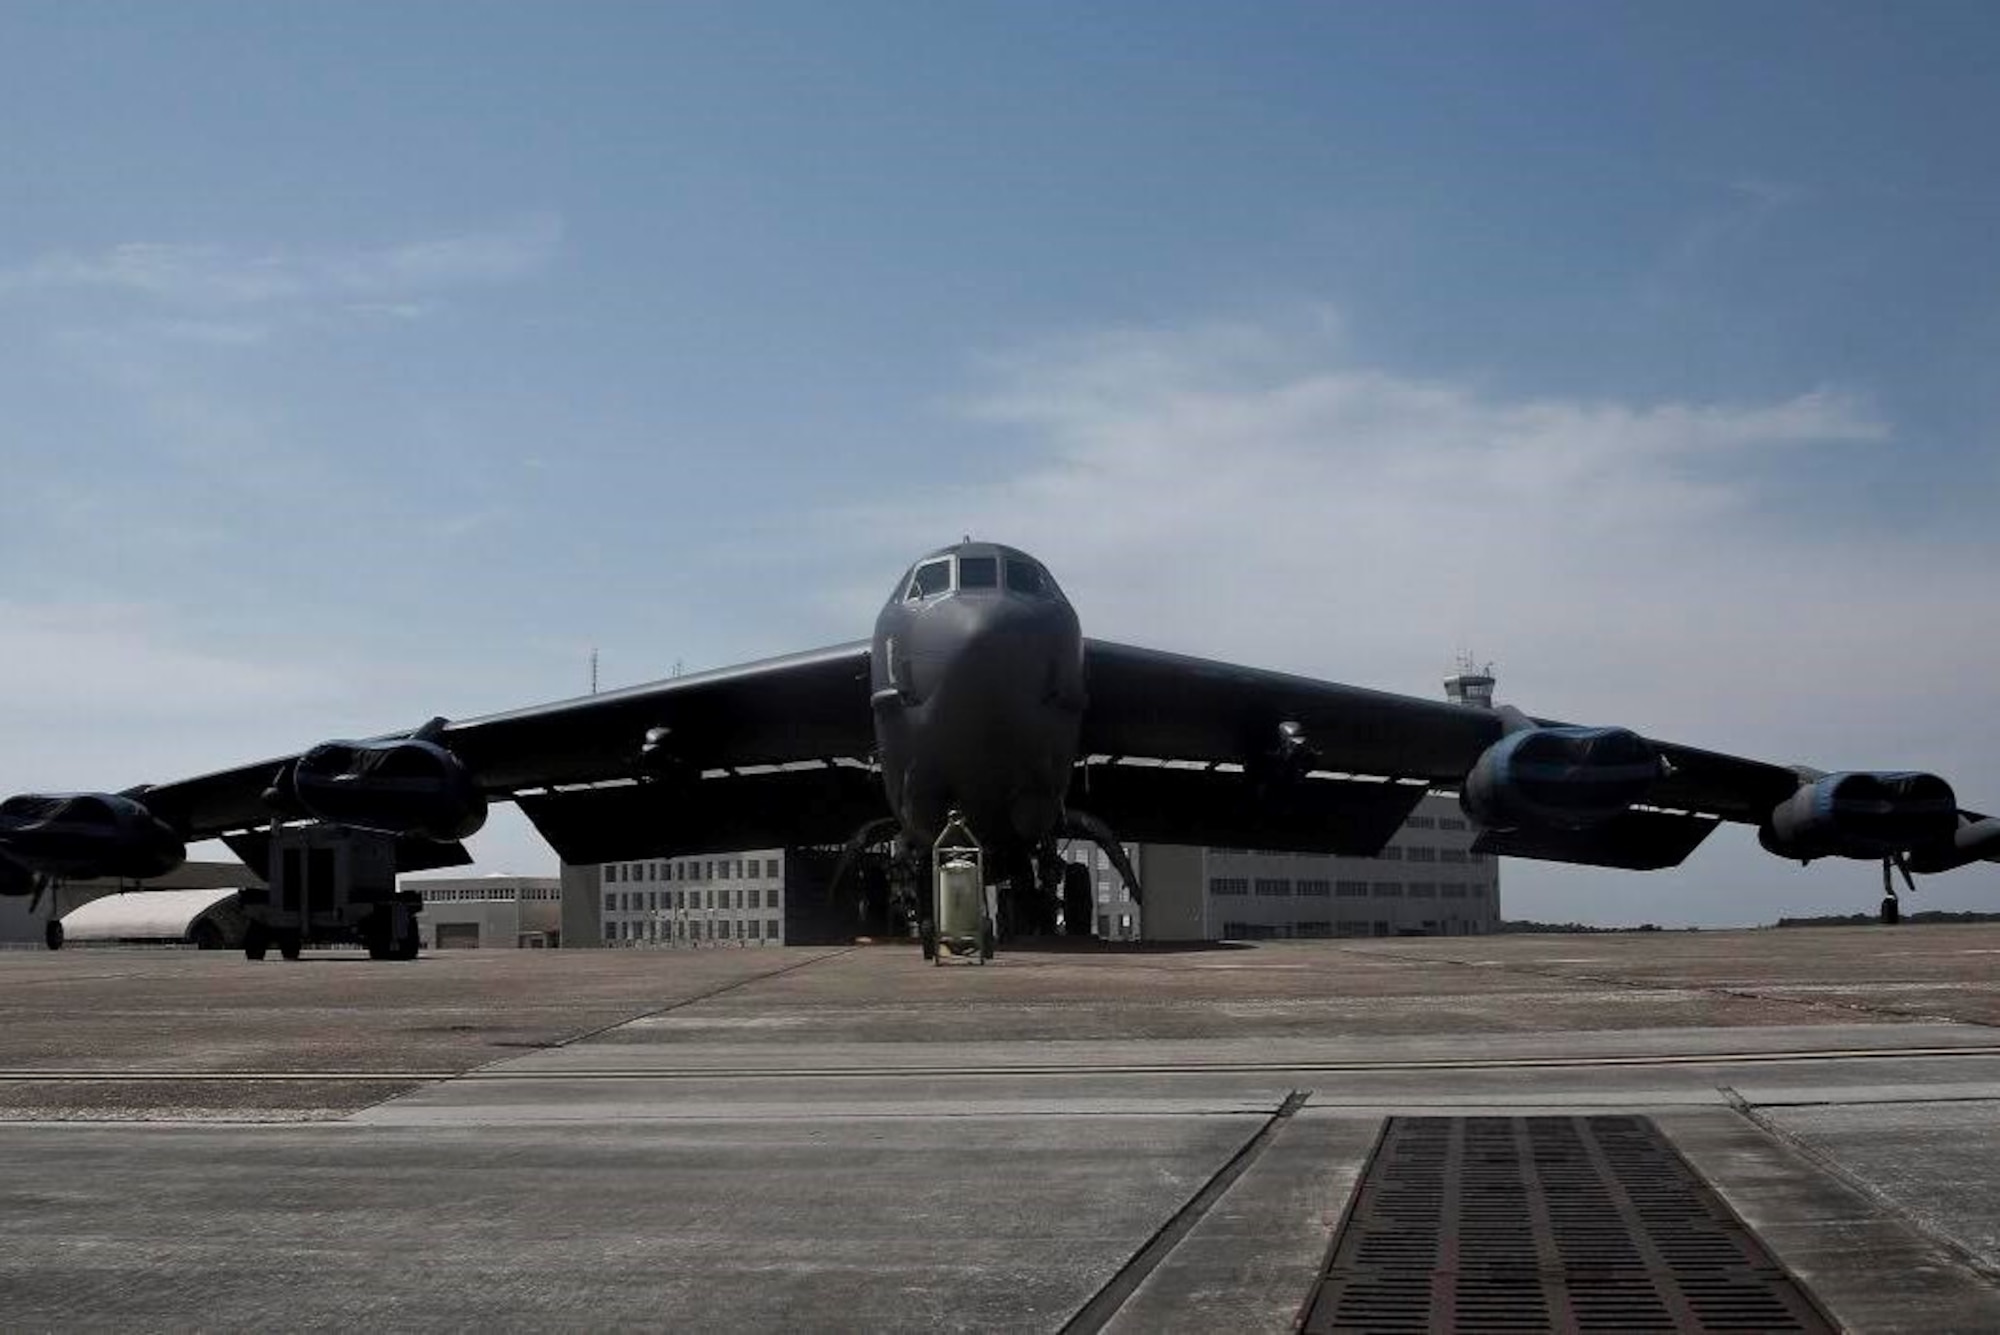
(979, 695)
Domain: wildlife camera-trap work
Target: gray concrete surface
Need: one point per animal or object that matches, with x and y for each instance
(856, 1140)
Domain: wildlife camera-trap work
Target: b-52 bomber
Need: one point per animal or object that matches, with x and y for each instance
(978, 695)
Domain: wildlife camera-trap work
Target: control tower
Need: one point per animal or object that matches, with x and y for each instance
(1471, 684)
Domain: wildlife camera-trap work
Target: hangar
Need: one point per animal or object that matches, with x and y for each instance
(210, 919)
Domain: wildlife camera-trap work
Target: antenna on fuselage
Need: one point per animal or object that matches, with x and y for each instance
(593, 669)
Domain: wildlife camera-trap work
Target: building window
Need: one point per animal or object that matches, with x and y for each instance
(1315, 889)
(771, 929)
(1450, 823)
(1454, 890)
(771, 868)
(1351, 889)
(1388, 890)
(1451, 855)
(1271, 887)
(1422, 822)
(611, 873)
(754, 929)
(1228, 885)
(1423, 855)
(1393, 853)
(610, 931)
(1423, 890)
(610, 901)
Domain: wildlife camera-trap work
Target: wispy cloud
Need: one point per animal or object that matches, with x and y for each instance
(366, 280)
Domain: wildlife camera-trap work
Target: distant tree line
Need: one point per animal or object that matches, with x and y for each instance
(1869, 919)
(1524, 925)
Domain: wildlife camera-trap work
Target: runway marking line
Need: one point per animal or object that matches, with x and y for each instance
(489, 1075)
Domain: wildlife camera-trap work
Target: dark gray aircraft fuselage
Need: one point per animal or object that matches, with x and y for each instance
(978, 697)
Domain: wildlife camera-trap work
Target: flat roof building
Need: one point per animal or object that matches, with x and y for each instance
(469, 912)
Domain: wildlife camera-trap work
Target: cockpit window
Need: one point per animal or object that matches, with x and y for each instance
(932, 577)
(1026, 577)
(978, 572)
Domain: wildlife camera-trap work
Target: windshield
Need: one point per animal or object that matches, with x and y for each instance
(932, 577)
(1029, 578)
(978, 572)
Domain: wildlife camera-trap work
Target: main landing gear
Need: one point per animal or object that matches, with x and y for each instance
(1077, 902)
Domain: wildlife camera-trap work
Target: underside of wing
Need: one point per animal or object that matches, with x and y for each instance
(822, 804)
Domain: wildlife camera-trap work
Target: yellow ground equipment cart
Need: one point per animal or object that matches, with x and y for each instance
(960, 923)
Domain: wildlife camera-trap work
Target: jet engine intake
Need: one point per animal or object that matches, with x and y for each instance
(404, 786)
(1862, 814)
(79, 835)
(1562, 778)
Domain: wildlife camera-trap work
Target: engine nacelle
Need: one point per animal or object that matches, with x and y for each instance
(84, 835)
(1972, 841)
(1862, 814)
(1562, 778)
(401, 786)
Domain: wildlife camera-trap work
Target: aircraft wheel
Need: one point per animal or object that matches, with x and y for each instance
(256, 940)
(1892, 911)
(1077, 900)
(290, 944)
(53, 934)
(985, 939)
(929, 933)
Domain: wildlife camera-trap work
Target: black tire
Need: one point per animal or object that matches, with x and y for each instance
(206, 936)
(256, 940)
(290, 944)
(1079, 905)
(53, 935)
(1892, 911)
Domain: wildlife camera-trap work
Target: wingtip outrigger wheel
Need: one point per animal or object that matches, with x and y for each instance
(1892, 905)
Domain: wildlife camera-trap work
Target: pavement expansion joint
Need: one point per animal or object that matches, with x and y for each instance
(1578, 1223)
(1104, 1304)
(1979, 1265)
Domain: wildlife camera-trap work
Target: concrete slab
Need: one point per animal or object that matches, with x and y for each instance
(747, 1139)
(970, 1224)
(1936, 1163)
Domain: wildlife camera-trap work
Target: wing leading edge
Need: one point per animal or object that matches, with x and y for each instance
(802, 707)
(1195, 714)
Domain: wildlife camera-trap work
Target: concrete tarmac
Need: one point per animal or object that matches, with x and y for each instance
(857, 1140)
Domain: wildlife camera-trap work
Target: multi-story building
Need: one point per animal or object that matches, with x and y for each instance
(489, 911)
(737, 899)
(1427, 881)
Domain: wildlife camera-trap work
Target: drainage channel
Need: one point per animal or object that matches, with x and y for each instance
(1545, 1224)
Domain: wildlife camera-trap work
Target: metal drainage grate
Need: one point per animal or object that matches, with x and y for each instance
(1545, 1223)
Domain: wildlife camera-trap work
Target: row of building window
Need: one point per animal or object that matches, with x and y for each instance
(1320, 927)
(1393, 853)
(484, 894)
(716, 929)
(672, 901)
(694, 869)
(1279, 888)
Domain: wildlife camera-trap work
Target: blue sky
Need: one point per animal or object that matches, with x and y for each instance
(362, 364)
